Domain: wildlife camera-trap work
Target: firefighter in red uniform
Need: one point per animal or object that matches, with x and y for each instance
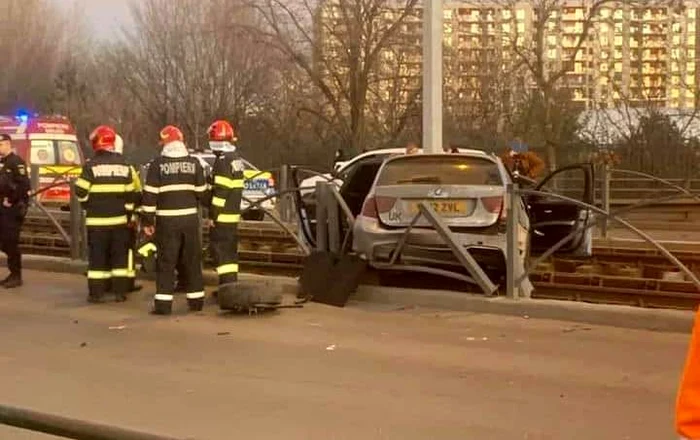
(106, 190)
(225, 209)
(175, 187)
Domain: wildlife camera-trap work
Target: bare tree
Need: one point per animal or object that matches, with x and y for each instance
(32, 43)
(531, 46)
(338, 44)
(191, 61)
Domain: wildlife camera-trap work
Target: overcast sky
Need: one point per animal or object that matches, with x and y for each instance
(105, 16)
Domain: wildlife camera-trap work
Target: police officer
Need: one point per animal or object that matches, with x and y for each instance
(14, 190)
(107, 192)
(175, 187)
(225, 209)
(133, 224)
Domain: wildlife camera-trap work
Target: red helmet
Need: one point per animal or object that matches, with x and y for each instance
(171, 134)
(103, 138)
(221, 131)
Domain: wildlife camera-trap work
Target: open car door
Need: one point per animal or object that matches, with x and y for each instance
(552, 219)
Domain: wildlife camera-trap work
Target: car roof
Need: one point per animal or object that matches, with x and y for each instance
(389, 151)
(211, 155)
(462, 153)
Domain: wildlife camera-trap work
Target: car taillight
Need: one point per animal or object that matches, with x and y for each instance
(369, 208)
(496, 205)
(493, 204)
(374, 205)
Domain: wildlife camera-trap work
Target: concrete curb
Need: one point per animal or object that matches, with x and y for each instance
(64, 265)
(594, 314)
(678, 321)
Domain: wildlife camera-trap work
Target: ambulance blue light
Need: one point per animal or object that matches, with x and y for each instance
(23, 115)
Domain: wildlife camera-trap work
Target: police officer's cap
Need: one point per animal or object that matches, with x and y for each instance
(5, 137)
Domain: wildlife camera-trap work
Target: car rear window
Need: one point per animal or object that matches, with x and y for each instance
(443, 170)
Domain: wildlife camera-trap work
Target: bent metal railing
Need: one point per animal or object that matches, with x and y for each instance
(606, 197)
(515, 278)
(67, 427)
(330, 203)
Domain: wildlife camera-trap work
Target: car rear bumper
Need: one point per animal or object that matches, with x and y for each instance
(426, 246)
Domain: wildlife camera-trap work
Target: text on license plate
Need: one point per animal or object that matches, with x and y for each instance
(444, 207)
(256, 185)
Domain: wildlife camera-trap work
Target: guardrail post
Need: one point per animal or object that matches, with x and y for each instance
(605, 198)
(513, 214)
(77, 241)
(34, 177)
(333, 212)
(321, 216)
(284, 200)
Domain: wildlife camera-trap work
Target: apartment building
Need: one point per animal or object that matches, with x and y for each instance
(640, 53)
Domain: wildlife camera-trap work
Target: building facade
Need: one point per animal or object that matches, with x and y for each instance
(637, 53)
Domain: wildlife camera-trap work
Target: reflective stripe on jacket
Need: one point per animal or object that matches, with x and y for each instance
(106, 190)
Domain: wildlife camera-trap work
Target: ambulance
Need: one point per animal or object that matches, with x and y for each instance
(51, 143)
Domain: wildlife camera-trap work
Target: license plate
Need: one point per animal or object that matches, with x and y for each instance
(448, 208)
(256, 185)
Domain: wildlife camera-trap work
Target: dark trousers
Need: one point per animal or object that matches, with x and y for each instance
(131, 265)
(10, 225)
(179, 246)
(224, 239)
(108, 259)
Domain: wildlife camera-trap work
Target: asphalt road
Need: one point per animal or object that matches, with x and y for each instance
(363, 372)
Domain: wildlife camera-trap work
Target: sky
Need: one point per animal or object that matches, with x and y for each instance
(104, 16)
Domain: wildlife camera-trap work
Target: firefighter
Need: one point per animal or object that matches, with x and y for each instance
(688, 401)
(225, 209)
(106, 190)
(174, 189)
(14, 198)
(133, 223)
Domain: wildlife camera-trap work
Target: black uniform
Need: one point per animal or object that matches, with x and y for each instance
(107, 192)
(14, 186)
(225, 212)
(175, 187)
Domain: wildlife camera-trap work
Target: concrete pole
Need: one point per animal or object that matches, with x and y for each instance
(432, 76)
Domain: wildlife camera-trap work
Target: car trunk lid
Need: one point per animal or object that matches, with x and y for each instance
(465, 206)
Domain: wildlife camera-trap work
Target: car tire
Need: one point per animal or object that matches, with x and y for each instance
(253, 215)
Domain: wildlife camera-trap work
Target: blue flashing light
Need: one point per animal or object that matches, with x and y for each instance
(23, 116)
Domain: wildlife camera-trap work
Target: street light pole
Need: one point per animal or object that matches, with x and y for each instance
(432, 76)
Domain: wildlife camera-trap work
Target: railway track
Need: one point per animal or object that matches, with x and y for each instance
(620, 272)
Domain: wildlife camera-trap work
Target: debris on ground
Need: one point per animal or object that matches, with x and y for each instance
(405, 307)
(223, 333)
(330, 348)
(84, 344)
(117, 327)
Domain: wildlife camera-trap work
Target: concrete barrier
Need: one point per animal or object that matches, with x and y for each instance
(593, 314)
